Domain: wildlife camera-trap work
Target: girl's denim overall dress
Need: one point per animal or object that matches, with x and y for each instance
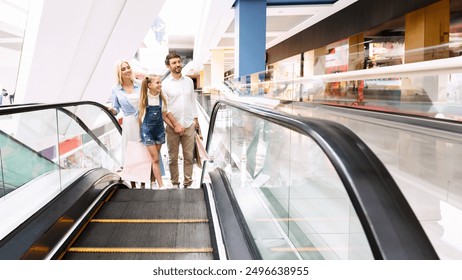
(153, 130)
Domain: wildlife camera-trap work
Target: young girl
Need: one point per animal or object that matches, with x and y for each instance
(152, 114)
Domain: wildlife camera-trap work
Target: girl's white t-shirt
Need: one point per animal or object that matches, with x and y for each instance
(154, 100)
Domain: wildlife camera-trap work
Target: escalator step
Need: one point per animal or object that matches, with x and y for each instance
(145, 224)
(139, 256)
(137, 250)
(150, 221)
(149, 235)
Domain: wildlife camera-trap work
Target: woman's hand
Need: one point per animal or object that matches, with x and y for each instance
(112, 110)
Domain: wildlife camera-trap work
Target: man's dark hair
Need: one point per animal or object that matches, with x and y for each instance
(170, 56)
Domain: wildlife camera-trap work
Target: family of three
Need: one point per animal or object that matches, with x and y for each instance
(146, 106)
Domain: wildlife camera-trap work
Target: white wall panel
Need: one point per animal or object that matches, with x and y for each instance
(71, 47)
(127, 35)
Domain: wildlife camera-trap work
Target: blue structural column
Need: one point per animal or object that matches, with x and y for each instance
(250, 37)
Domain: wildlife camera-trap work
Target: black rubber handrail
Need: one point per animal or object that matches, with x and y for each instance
(38, 107)
(236, 235)
(390, 225)
(61, 107)
(89, 132)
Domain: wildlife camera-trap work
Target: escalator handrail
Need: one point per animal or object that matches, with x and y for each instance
(90, 133)
(390, 225)
(62, 107)
(38, 107)
(236, 235)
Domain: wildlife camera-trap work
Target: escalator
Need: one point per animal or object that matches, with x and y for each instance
(90, 213)
(51, 157)
(146, 224)
(309, 188)
(276, 187)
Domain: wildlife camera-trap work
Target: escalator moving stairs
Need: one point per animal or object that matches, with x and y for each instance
(146, 224)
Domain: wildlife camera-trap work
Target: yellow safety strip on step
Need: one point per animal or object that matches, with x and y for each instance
(150, 221)
(39, 249)
(138, 250)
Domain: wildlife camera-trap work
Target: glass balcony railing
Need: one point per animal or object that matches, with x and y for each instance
(429, 88)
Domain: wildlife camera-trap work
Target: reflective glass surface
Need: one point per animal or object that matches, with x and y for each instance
(292, 199)
(424, 162)
(43, 151)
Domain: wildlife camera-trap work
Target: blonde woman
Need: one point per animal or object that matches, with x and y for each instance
(125, 97)
(152, 114)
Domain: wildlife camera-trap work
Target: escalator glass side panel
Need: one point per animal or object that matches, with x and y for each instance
(100, 125)
(25, 154)
(291, 196)
(87, 139)
(21, 165)
(31, 174)
(44, 150)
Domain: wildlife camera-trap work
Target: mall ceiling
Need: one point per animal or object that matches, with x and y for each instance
(285, 18)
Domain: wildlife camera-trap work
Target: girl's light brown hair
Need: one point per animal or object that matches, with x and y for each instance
(144, 96)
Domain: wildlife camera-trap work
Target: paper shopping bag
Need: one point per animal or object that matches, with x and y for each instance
(200, 154)
(137, 163)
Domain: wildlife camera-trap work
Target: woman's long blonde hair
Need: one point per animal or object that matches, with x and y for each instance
(144, 96)
(118, 72)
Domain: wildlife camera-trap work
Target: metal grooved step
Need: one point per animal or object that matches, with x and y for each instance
(169, 225)
(150, 221)
(139, 250)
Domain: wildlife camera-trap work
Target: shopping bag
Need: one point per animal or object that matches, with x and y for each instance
(137, 163)
(200, 154)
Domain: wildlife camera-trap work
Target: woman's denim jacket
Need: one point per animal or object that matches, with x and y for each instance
(120, 101)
